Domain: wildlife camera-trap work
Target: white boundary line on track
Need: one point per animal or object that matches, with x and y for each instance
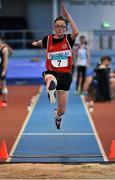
(95, 131)
(58, 134)
(23, 126)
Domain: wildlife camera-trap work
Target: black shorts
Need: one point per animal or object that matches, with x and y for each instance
(63, 80)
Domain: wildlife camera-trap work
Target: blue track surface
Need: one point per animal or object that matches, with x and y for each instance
(42, 142)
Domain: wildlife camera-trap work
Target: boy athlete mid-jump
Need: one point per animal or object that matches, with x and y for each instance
(58, 76)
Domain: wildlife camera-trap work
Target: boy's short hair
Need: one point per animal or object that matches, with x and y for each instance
(106, 57)
(61, 18)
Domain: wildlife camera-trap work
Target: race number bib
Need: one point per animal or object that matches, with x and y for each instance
(59, 58)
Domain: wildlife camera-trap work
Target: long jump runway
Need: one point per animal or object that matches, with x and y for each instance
(40, 141)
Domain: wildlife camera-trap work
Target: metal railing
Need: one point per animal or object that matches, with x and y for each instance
(22, 39)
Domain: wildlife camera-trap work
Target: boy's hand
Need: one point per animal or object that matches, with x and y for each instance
(64, 10)
(35, 43)
(74, 28)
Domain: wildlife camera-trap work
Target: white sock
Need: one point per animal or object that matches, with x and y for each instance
(58, 117)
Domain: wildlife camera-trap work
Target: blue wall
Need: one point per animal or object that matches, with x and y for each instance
(90, 16)
(95, 55)
(39, 16)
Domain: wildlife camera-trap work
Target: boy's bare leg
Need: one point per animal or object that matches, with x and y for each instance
(4, 92)
(51, 84)
(62, 97)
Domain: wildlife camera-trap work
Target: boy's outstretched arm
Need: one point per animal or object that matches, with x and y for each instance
(37, 43)
(71, 22)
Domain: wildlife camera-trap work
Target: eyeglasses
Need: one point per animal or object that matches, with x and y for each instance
(60, 26)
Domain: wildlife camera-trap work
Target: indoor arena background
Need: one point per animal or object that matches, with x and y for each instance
(28, 134)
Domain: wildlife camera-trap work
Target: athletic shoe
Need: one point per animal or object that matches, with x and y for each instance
(91, 109)
(77, 92)
(29, 107)
(55, 111)
(52, 92)
(3, 104)
(58, 123)
(91, 106)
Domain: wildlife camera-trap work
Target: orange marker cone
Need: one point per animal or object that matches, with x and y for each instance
(112, 150)
(3, 151)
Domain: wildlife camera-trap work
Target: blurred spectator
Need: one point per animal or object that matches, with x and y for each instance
(89, 88)
(75, 47)
(93, 83)
(106, 62)
(5, 51)
(83, 61)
